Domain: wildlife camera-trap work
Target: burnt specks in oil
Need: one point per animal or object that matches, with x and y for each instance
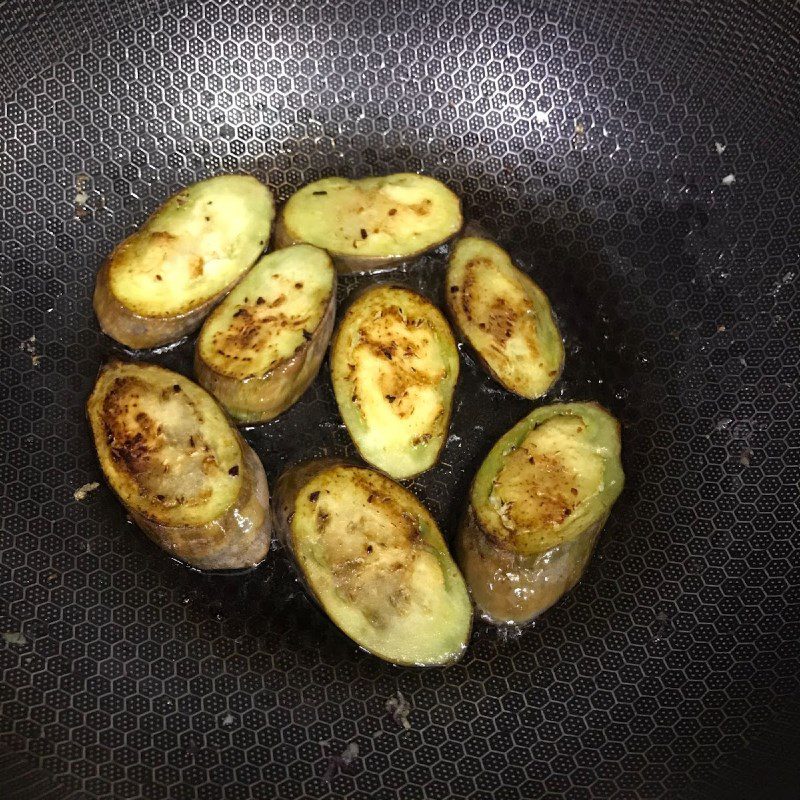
(234, 471)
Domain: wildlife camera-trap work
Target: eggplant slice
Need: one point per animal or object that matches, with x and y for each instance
(537, 505)
(182, 471)
(504, 316)
(394, 365)
(371, 224)
(373, 558)
(261, 348)
(158, 285)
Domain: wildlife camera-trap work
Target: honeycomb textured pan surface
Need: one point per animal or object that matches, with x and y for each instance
(640, 162)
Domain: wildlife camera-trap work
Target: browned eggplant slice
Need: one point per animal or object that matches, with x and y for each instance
(394, 365)
(374, 559)
(183, 472)
(504, 316)
(158, 285)
(536, 507)
(371, 224)
(261, 348)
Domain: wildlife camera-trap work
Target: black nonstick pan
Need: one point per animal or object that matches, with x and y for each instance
(641, 160)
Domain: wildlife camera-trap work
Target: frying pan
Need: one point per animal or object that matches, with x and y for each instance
(641, 160)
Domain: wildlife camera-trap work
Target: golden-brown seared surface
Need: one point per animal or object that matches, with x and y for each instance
(504, 316)
(398, 355)
(375, 560)
(163, 449)
(257, 329)
(274, 311)
(173, 459)
(537, 503)
(159, 283)
(169, 459)
(369, 542)
(263, 345)
(394, 365)
(544, 480)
